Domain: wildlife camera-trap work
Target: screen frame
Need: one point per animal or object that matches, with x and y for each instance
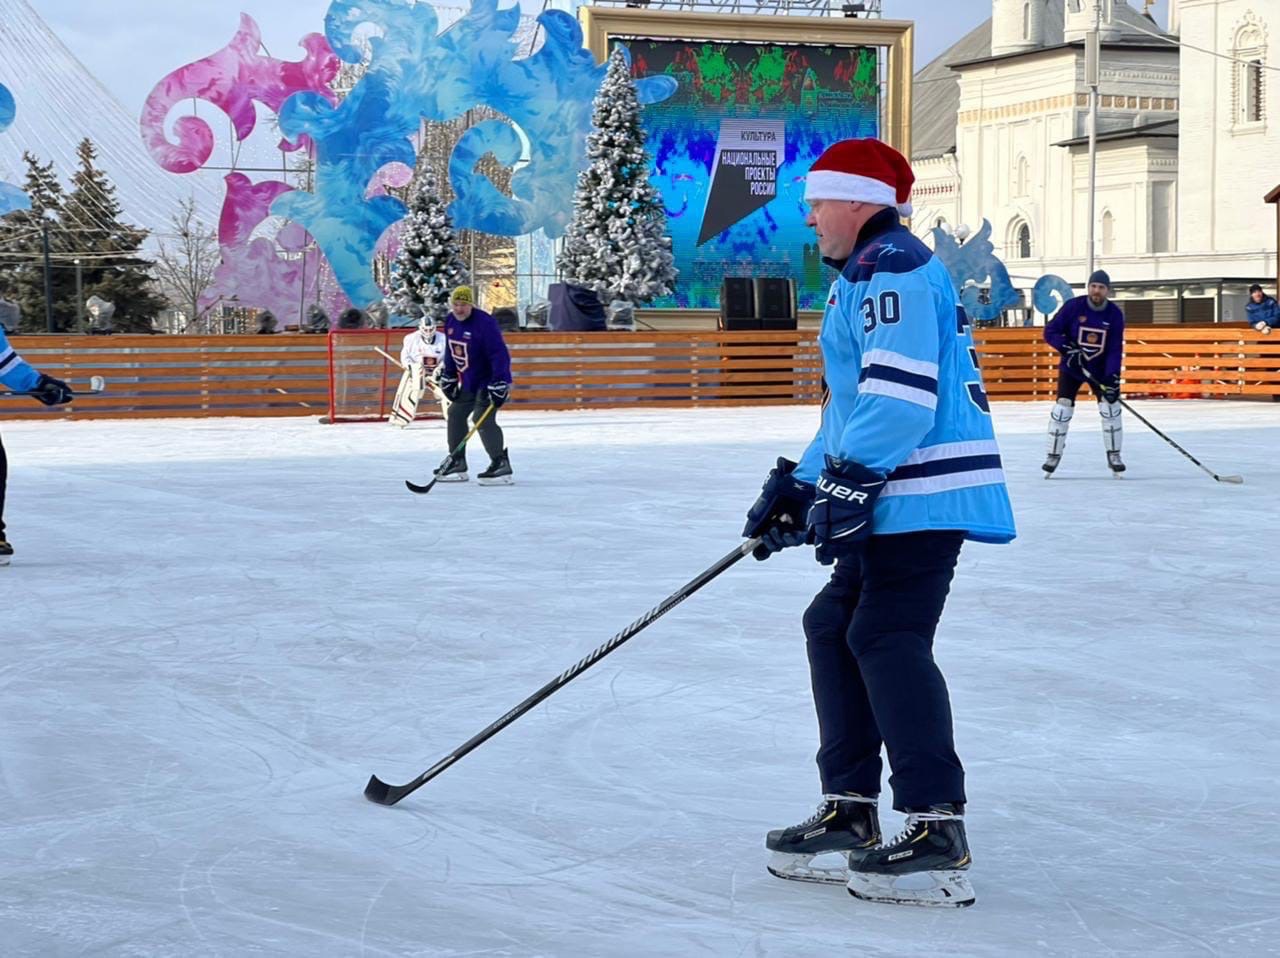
(600, 25)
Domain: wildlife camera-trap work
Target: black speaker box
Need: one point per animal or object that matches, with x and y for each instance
(786, 323)
(775, 298)
(508, 319)
(737, 298)
(736, 323)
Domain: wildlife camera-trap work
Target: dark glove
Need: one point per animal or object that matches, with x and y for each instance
(1110, 389)
(779, 516)
(840, 519)
(449, 386)
(1073, 355)
(52, 392)
(498, 393)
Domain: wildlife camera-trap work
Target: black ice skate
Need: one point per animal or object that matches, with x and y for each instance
(843, 827)
(1050, 464)
(6, 551)
(1115, 463)
(925, 865)
(452, 471)
(498, 473)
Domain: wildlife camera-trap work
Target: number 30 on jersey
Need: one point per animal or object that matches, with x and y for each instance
(886, 309)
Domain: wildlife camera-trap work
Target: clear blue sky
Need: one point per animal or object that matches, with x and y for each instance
(130, 44)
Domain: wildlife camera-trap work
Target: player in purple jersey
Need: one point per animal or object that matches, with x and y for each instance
(1089, 333)
(477, 375)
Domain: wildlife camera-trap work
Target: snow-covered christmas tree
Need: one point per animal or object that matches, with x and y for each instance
(617, 243)
(429, 264)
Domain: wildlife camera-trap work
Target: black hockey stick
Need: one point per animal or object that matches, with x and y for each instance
(96, 385)
(1236, 480)
(384, 794)
(423, 490)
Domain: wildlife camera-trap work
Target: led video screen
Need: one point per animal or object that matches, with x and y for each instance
(732, 146)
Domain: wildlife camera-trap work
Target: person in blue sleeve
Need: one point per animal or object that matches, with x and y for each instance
(477, 375)
(1089, 333)
(1262, 310)
(904, 469)
(17, 375)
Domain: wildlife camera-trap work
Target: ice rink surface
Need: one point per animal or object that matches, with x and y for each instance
(214, 631)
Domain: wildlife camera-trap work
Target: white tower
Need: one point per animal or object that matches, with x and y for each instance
(1079, 20)
(1018, 25)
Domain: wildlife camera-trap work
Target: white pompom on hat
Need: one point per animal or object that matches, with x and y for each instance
(866, 171)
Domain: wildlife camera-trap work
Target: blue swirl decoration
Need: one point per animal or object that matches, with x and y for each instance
(12, 199)
(415, 72)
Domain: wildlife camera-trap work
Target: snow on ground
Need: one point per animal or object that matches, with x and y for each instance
(215, 631)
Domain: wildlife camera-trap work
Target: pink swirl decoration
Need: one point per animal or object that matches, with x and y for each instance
(232, 79)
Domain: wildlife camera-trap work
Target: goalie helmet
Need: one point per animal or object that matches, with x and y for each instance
(427, 325)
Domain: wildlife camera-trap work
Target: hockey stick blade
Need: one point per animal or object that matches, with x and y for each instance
(1234, 480)
(420, 490)
(380, 793)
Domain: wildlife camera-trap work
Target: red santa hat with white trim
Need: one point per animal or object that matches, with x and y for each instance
(866, 171)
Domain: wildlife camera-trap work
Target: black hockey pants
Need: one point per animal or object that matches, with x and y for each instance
(465, 408)
(870, 634)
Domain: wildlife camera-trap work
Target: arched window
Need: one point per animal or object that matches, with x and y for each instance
(1022, 177)
(1019, 240)
(1108, 233)
(1248, 83)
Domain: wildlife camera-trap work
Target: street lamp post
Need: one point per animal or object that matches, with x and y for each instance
(1092, 72)
(48, 280)
(79, 297)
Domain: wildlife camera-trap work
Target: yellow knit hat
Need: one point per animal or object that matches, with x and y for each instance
(463, 294)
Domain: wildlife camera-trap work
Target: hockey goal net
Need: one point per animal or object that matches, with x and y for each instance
(363, 382)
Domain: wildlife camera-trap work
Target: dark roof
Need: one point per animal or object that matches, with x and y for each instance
(935, 95)
(1162, 129)
(1131, 44)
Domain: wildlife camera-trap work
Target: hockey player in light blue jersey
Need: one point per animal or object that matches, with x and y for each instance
(904, 468)
(17, 375)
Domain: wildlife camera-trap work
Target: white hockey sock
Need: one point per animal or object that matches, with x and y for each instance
(1059, 422)
(1112, 430)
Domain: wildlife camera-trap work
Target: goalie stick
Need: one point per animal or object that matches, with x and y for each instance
(97, 385)
(383, 794)
(399, 365)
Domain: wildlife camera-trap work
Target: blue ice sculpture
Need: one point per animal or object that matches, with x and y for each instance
(414, 72)
(974, 266)
(12, 199)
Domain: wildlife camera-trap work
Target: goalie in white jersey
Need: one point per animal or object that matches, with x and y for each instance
(420, 357)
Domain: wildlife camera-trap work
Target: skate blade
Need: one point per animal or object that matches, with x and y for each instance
(497, 481)
(454, 477)
(794, 867)
(4, 560)
(936, 889)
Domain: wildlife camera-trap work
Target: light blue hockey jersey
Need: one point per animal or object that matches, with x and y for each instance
(904, 393)
(15, 372)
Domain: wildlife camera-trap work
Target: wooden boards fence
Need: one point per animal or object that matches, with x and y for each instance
(284, 375)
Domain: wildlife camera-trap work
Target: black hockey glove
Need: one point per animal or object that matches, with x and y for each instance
(1110, 389)
(52, 392)
(840, 519)
(448, 383)
(498, 394)
(779, 516)
(1074, 356)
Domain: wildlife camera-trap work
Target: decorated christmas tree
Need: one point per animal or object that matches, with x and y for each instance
(429, 264)
(617, 243)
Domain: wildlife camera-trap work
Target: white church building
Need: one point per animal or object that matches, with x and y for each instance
(1188, 147)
